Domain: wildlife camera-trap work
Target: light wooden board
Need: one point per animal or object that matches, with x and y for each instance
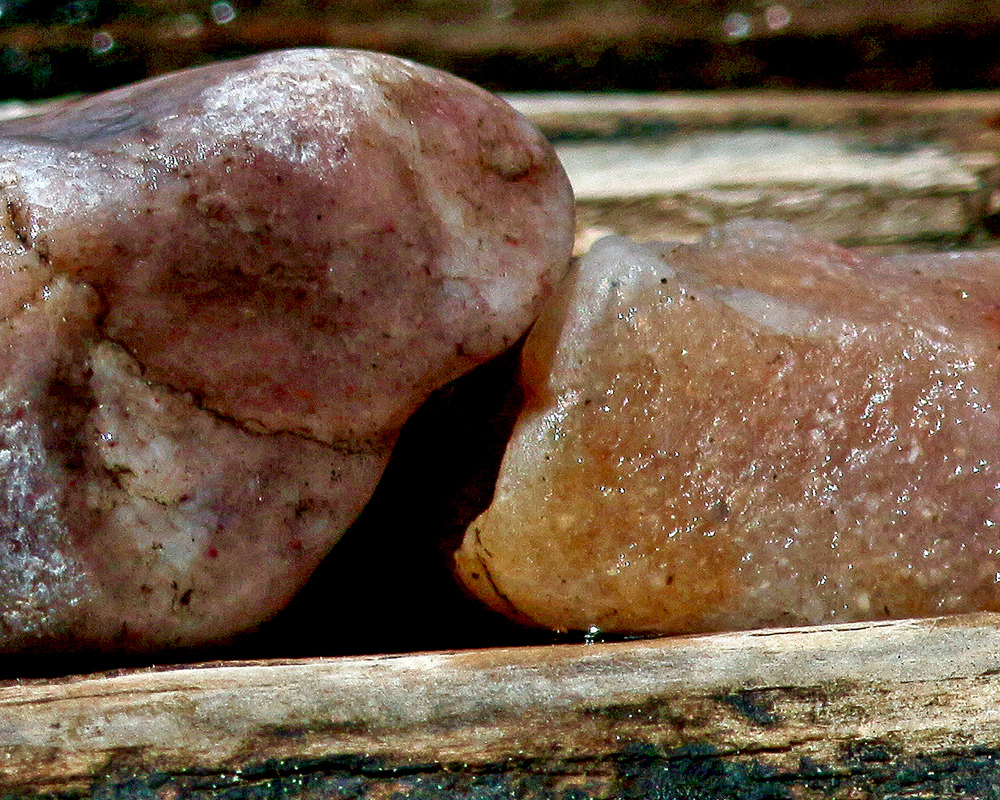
(786, 707)
(898, 170)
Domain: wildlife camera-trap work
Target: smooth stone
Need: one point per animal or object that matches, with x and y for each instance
(223, 292)
(757, 430)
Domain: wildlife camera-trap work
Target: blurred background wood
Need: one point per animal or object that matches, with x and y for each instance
(901, 171)
(58, 46)
(887, 166)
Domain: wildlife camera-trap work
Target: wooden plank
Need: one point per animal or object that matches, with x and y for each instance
(454, 27)
(72, 46)
(861, 169)
(812, 711)
(608, 113)
(677, 189)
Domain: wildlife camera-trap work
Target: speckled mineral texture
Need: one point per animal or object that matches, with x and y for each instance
(757, 430)
(222, 292)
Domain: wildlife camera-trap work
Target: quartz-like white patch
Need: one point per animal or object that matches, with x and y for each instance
(772, 312)
(39, 578)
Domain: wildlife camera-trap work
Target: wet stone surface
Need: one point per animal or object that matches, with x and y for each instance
(223, 292)
(757, 430)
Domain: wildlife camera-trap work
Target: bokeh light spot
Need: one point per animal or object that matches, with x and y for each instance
(222, 12)
(737, 25)
(101, 42)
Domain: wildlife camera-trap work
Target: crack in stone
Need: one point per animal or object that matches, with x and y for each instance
(15, 213)
(254, 427)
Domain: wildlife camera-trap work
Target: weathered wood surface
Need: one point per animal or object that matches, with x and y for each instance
(625, 113)
(896, 709)
(862, 169)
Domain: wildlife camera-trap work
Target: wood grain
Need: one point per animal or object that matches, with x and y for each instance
(862, 169)
(761, 703)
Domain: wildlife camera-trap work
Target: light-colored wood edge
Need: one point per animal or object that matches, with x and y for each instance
(896, 170)
(557, 109)
(781, 695)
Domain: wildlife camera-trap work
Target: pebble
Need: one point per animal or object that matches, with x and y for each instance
(224, 291)
(757, 430)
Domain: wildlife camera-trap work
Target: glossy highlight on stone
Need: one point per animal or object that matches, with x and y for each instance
(223, 292)
(757, 430)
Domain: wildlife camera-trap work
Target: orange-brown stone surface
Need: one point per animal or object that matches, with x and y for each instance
(756, 430)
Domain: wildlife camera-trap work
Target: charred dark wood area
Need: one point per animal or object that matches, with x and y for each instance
(871, 769)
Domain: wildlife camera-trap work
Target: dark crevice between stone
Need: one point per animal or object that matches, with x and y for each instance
(388, 586)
